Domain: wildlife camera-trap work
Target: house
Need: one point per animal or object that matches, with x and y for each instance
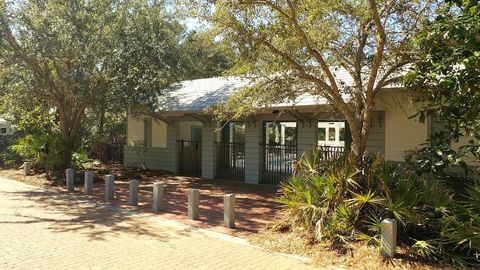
(5, 127)
(184, 138)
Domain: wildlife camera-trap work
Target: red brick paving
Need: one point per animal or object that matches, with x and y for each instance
(255, 205)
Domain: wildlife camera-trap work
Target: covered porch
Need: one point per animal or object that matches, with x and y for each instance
(185, 138)
(257, 150)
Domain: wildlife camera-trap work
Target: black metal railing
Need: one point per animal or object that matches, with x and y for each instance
(230, 159)
(278, 162)
(189, 158)
(331, 152)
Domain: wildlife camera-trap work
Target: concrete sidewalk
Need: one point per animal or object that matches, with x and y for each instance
(43, 229)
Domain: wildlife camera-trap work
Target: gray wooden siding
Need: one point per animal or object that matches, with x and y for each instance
(155, 158)
(208, 151)
(253, 153)
(306, 137)
(376, 137)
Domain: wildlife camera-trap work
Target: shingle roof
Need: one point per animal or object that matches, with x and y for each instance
(200, 94)
(197, 95)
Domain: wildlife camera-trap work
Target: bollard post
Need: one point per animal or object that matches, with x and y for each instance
(193, 200)
(88, 184)
(389, 237)
(133, 192)
(109, 187)
(27, 167)
(158, 189)
(229, 210)
(70, 180)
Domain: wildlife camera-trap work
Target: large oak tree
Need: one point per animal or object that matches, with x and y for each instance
(296, 46)
(82, 60)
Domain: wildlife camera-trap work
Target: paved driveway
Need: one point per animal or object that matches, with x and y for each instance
(42, 229)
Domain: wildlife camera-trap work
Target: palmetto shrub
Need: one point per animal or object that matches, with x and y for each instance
(340, 200)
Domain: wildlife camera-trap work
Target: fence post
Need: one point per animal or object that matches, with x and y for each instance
(229, 210)
(88, 184)
(109, 187)
(133, 192)
(389, 237)
(158, 189)
(27, 167)
(70, 180)
(193, 201)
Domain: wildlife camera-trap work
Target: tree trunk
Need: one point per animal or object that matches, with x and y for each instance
(101, 123)
(359, 130)
(70, 128)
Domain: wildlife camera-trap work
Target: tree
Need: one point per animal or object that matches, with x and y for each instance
(294, 47)
(447, 72)
(79, 57)
(204, 57)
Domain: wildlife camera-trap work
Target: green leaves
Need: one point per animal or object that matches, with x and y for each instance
(446, 73)
(436, 222)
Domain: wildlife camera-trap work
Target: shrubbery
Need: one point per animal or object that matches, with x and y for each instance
(340, 201)
(29, 147)
(8, 157)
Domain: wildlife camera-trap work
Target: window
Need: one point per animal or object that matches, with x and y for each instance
(237, 132)
(283, 133)
(322, 134)
(331, 133)
(342, 134)
(196, 135)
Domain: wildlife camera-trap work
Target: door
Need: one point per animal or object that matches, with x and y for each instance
(230, 152)
(196, 134)
(280, 151)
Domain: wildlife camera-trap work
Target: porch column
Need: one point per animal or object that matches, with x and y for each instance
(253, 152)
(172, 146)
(208, 150)
(306, 137)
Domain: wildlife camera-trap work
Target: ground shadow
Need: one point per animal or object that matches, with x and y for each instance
(63, 212)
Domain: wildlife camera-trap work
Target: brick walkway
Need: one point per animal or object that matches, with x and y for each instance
(42, 229)
(255, 206)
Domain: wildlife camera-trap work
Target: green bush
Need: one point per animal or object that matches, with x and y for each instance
(29, 148)
(7, 156)
(339, 201)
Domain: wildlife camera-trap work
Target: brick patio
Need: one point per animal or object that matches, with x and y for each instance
(255, 206)
(47, 229)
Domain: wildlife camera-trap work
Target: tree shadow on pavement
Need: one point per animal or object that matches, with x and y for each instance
(62, 212)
